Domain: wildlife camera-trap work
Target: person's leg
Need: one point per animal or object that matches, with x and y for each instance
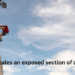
(0, 37)
(3, 33)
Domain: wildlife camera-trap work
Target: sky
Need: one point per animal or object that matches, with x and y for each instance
(38, 30)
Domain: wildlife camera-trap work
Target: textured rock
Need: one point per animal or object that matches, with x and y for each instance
(1, 67)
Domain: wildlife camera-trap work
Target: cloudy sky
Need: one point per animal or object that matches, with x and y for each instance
(39, 30)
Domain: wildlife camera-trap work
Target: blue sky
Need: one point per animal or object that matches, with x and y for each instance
(39, 30)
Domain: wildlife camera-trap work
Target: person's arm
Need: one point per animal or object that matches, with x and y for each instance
(0, 27)
(3, 27)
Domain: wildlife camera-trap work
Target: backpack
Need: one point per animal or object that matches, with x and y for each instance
(6, 29)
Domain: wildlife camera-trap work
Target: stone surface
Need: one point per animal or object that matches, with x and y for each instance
(1, 67)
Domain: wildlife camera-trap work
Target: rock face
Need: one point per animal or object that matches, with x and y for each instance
(1, 67)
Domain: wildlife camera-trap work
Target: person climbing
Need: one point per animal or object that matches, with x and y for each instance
(5, 30)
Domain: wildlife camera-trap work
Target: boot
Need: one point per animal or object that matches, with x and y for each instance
(0, 39)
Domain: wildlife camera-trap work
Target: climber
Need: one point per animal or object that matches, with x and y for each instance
(5, 30)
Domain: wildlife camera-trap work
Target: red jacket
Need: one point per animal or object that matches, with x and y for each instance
(6, 29)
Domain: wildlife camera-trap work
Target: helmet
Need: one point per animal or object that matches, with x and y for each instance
(1, 25)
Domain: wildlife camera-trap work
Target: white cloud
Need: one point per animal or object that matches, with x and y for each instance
(66, 55)
(57, 8)
(59, 73)
(15, 54)
(24, 54)
(31, 67)
(48, 36)
(51, 34)
(9, 70)
(43, 67)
